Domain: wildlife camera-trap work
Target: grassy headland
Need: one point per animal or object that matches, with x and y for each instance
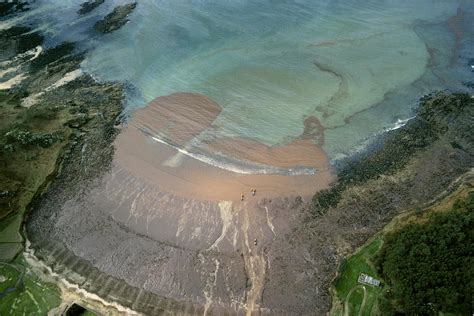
(421, 257)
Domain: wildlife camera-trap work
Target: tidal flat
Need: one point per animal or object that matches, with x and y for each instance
(133, 138)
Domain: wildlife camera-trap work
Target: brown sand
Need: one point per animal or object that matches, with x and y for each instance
(300, 152)
(178, 117)
(143, 157)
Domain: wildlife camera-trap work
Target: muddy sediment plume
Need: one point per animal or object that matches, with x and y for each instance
(178, 117)
(162, 145)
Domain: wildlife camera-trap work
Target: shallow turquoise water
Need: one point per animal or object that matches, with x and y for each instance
(358, 66)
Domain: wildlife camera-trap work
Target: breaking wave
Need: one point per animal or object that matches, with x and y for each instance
(240, 166)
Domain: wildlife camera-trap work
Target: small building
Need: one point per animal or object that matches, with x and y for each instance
(365, 279)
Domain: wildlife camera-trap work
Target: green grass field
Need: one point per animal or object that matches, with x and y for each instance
(351, 293)
(31, 296)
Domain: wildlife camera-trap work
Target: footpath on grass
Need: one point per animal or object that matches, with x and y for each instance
(349, 297)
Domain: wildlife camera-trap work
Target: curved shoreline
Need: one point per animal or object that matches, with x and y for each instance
(226, 230)
(157, 239)
(239, 166)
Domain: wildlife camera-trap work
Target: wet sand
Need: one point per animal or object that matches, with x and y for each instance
(174, 230)
(179, 118)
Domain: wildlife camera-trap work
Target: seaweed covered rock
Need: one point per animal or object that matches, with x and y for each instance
(440, 117)
(17, 40)
(116, 19)
(10, 7)
(89, 6)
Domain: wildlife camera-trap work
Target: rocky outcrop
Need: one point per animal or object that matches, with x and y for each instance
(116, 19)
(10, 7)
(89, 6)
(440, 119)
(50, 109)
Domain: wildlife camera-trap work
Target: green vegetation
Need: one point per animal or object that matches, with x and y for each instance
(354, 300)
(9, 7)
(430, 267)
(21, 38)
(22, 293)
(52, 55)
(31, 140)
(426, 266)
(34, 142)
(349, 291)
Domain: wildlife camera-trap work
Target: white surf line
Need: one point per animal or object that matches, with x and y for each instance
(178, 158)
(68, 77)
(12, 82)
(8, 70)
(398, 124)
(255, 169)
(33, 261)
(34, 51)
(360, 147)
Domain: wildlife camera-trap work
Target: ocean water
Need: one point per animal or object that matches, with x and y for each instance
(357, 66)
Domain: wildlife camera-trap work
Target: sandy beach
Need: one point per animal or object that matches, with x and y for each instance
(179, 118)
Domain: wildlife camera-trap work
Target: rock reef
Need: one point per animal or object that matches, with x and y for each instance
(89, 6)
(115, 19)
(49, 109)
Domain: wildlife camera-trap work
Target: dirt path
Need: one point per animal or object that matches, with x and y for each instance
(362, 305)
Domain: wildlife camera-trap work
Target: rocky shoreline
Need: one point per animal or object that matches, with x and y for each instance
(115, 19)
(304, 240)
(316, 243)
(48, 106)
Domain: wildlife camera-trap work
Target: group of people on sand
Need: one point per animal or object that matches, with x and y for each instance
(253, 191)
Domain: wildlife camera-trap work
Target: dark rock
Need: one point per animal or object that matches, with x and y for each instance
(88, 6)
(440, 116)
(116, 19)
(17, 40)
(7, 8)
(52, 55)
